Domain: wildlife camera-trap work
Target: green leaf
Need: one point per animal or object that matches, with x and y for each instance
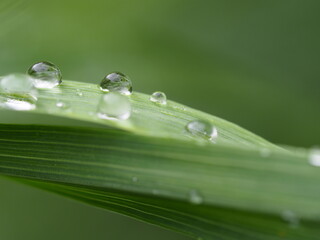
(147, 118)
(243, 194)
(149, 167)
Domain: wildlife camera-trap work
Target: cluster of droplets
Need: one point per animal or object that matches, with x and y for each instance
(20, 92)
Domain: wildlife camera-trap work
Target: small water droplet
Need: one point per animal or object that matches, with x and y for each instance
(265, 152)
(116, 82)
(158, 97)
(62, 105)
(291, 218)
(134, 110)
(195, 197)
(180, 108)
(314, 157)
(114, 106)
(135, 179)
(203, 129)
(155, 191)
(79, 93)
(45, 75)
(17, 92)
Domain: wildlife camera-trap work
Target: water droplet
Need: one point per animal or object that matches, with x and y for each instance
(79, 93)
(291, 218)
(158, 97)
(45, 75)
(116, 82)
(114, 106)
(180, 108)
(17, 92)
(314, 157)
(203, 129)
(195, 197)
(62, 105)
(265, 152)
(135, 179)
(155, 191)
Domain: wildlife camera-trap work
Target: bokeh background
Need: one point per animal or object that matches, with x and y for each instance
(253, 62)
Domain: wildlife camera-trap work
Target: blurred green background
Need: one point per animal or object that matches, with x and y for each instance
(252, 62)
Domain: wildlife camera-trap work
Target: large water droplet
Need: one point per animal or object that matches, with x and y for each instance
(195, 197)
(116, 82)
(203, 129)
(314, 157)
(17, 92)
(114, 106)
(45, 75)
(158, 97)
(291, 218)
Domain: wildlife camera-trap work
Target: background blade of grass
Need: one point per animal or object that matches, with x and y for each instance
(244, 194)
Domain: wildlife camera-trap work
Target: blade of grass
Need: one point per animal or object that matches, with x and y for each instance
(147, 118)
(243, 194)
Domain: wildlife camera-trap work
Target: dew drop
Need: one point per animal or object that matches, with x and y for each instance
(62, 105)
(155, 191)
(291, 218)
(265, 152)
(158, 97)
(17, 92)
(203, 129)
(45, 75)
(114, 106)
(116, 82)
(314, 157)
(79, 93)
(180, 108)
(135, 179)
(195, 197)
